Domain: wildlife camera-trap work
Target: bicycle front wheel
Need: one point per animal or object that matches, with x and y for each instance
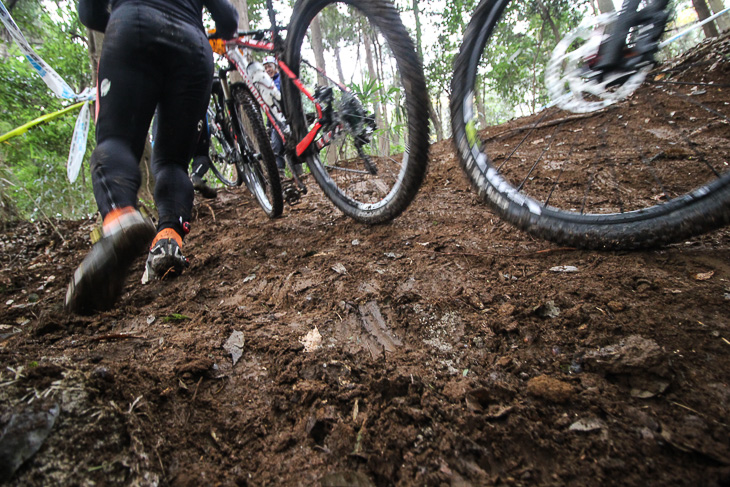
(628, 159)
(371, 154)
(259, 165)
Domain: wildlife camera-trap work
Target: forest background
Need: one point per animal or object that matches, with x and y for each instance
(33, 181)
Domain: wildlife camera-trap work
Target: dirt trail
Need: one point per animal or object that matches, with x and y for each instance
(443, 349)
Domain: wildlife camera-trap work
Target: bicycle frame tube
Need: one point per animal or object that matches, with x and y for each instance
(235, 56)
(303, 144)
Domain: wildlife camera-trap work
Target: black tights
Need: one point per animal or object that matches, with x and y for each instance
(149, 60)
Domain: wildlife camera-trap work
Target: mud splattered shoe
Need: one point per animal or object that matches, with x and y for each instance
(165, 258)
(99, 280)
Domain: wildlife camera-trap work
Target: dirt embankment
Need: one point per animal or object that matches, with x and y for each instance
(442, 349)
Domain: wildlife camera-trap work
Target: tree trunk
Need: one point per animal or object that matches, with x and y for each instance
(417, 15)
(147, 188)
(723, 21)
(436, 120)
(96, 39)
(545, 14)
(481, 109)
(373, 76)
(8, 210)
(318, 47)
(338, 61)
(242, 7)
(606, 6)
(703, 12)
(384, 100)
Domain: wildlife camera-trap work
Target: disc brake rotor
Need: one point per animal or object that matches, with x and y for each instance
(570, 82)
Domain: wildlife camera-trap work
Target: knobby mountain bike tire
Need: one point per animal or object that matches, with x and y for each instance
(223, 159)
(259, 164)
(647, 170)
(378, 156)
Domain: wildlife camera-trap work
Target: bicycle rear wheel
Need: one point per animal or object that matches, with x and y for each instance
(375, 106)
(609, 170)
(259, 165)
(224, 159)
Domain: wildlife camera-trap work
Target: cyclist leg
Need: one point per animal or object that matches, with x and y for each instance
(127, 93)
(181, 112)
(201, 164)
(278, 147)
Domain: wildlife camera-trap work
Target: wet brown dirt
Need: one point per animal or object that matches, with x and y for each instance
(445, 348)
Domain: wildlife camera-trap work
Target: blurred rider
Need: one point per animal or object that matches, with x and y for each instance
(155, 55)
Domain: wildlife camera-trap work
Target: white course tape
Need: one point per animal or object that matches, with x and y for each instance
(61, 90)
(78, 144)
(51, 77)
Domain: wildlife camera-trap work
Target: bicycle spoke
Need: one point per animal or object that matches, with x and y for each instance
(618, 151)
(363, 46)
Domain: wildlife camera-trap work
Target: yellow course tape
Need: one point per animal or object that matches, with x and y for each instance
(24, 128)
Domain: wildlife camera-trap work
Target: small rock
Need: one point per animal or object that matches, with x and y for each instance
(616, 306)
(312, 340)
(704, 276)
(553, 390)
(23, 436)
(587, 424)
(547, 310)
(506, 309)
(564, 268)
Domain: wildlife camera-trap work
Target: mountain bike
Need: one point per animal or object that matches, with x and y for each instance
(588, 131)
(364, 134)
(240, 151)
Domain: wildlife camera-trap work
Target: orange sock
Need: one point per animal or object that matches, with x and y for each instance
(111, 218)
(167, 233)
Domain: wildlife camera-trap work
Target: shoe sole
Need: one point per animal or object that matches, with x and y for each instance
(98, 281)
(167, 265)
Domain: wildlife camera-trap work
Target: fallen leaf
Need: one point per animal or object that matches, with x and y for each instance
(312, 340)
(234, 346)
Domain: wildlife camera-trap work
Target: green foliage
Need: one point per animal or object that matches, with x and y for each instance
(175, 317)
(33, 165)
(513, 66)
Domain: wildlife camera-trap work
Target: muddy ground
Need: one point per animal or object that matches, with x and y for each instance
(445, 348)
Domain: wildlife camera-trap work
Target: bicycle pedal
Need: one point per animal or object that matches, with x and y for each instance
(291, 194)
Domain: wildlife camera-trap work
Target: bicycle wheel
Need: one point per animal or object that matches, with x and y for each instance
(259, 165)
(599, 167)
(376, 159)
(223, 152)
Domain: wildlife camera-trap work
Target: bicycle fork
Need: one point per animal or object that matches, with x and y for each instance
(614, 54)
